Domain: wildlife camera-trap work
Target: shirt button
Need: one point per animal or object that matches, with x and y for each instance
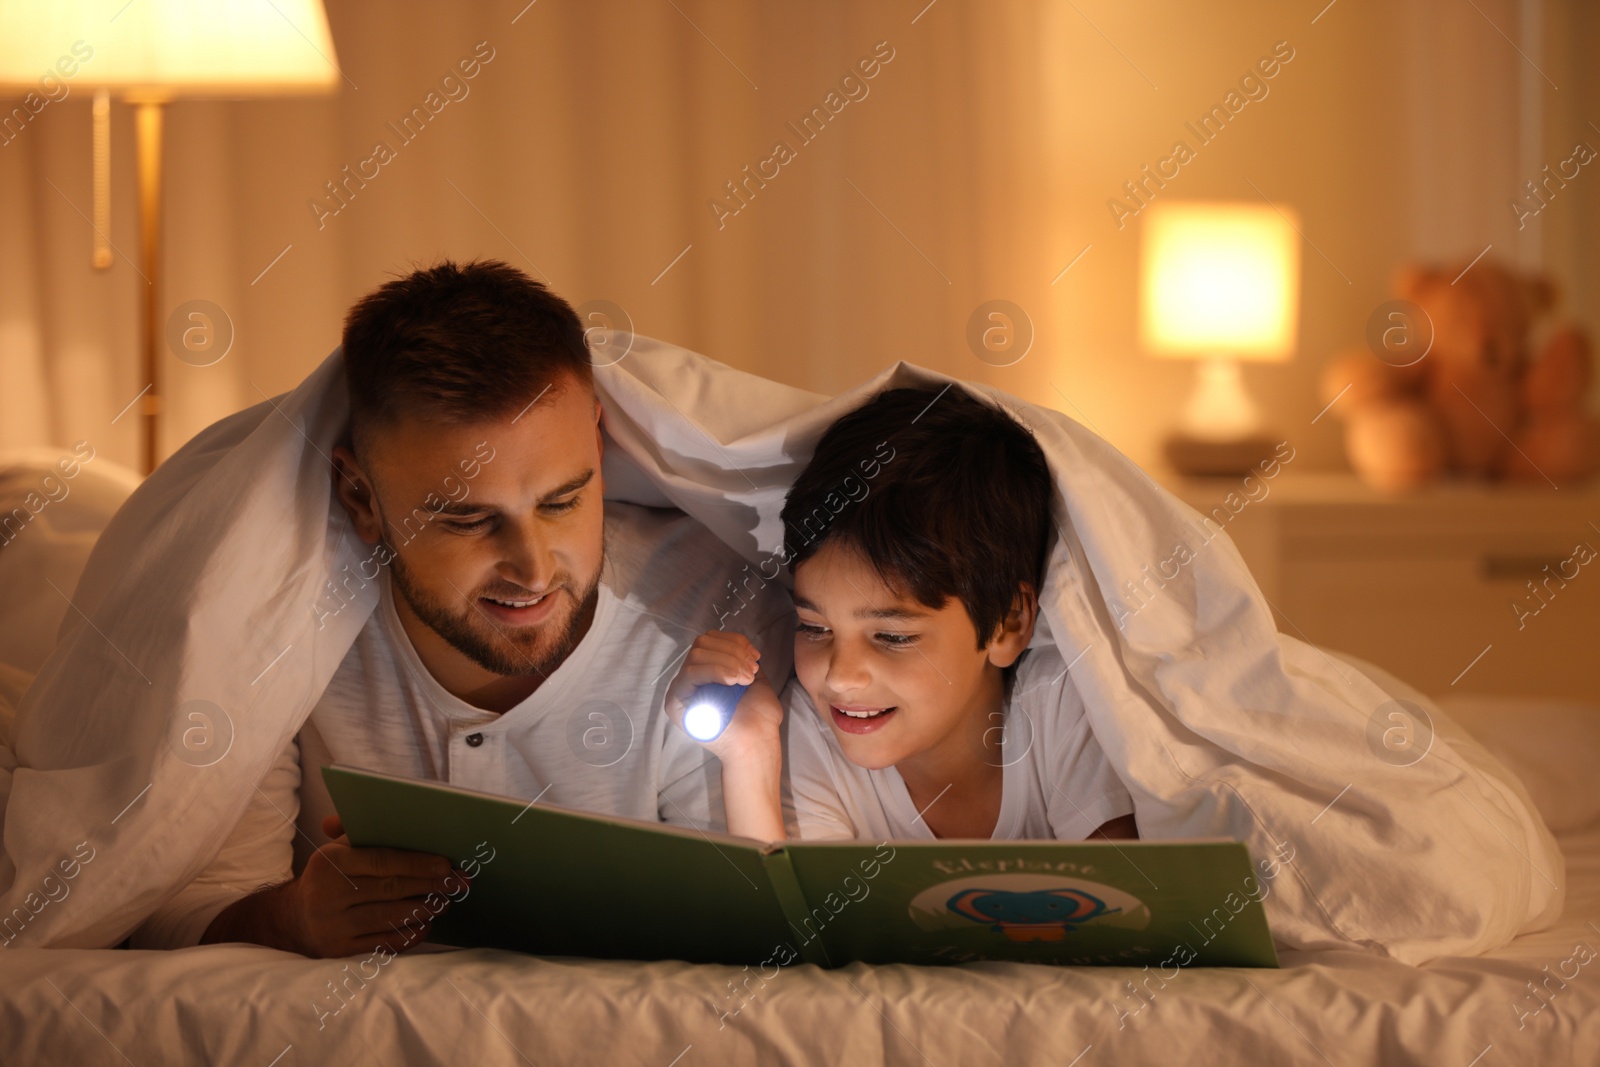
(474, 740)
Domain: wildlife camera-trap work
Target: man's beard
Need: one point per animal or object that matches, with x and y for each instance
(503, 650)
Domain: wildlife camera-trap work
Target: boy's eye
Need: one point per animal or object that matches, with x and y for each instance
(810, 630)
(897, 640)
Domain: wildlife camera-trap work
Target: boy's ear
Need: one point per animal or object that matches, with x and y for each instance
(1016, 629)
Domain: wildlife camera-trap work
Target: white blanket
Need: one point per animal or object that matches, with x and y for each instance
(203, 586)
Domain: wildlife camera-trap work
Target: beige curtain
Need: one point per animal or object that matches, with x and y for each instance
(975, 165)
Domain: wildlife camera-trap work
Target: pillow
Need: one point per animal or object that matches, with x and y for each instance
(1550, 744)
(53, 505)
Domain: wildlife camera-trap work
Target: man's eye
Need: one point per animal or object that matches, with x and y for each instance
(563, 505)
(469, 527)
(897, 640)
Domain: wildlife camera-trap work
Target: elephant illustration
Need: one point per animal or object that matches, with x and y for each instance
(1042, 915)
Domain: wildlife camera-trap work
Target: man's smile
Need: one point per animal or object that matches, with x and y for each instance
(521, 611)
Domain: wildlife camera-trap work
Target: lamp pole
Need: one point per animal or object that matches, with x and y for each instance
(147, 117)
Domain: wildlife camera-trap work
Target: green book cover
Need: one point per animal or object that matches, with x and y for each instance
(554, 881)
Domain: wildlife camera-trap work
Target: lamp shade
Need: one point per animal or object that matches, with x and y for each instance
(164, 48)
(1219, 279)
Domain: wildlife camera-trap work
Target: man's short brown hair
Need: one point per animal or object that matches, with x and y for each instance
(456, 344)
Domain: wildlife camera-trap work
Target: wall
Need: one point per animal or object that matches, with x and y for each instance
(979, 164)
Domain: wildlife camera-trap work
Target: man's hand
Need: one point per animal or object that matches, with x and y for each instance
(751, 748)
(347, 902)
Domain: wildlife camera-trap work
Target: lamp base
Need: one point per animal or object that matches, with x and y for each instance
(1199, 457)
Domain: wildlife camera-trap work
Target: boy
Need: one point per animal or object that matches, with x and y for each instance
(918, 709)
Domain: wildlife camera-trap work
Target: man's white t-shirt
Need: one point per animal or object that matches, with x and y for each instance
(593, 736)
(1057, 783)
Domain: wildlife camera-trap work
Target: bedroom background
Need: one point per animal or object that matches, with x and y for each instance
(978, 165)
(594, 147)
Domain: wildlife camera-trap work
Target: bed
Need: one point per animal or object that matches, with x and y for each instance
(244, 1005)
(1533, 1001)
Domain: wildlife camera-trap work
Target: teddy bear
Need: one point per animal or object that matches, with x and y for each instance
(1447, 384)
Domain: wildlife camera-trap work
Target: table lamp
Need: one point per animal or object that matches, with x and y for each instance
(149, 52)
(1220, 283)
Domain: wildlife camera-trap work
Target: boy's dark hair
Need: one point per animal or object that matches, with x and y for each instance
(458, 344)
(961, 508)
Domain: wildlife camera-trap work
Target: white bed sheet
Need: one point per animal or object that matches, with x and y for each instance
(244, 1005)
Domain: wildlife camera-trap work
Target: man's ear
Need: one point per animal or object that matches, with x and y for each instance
(357, 494)
(1016, 629)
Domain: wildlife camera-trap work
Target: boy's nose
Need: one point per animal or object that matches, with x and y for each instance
(847, 673)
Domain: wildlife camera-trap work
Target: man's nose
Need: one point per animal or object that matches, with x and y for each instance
(529, 560)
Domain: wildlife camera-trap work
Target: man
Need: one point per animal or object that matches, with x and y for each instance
(526, 630)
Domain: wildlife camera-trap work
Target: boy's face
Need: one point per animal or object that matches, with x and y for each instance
(895, 680)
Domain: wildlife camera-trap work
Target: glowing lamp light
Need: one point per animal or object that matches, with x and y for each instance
(167, 48)
(711, 709)
(1220, 283)
(1220, 279)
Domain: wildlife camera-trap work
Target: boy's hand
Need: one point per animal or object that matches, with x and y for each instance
(751, 748)
(730, 659)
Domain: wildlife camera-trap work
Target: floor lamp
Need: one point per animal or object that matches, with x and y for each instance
(149, 53)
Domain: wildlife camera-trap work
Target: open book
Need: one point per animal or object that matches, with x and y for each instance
(554, 881)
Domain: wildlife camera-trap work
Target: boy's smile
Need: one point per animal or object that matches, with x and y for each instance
(900, 683)
(854, 719)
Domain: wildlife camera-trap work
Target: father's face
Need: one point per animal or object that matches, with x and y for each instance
(498, 571)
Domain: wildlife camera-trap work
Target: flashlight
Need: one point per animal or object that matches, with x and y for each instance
(710, 710)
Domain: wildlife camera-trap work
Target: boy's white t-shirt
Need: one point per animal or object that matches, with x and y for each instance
(1057, 783)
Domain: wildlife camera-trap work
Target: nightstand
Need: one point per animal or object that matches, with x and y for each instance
(1460, 588)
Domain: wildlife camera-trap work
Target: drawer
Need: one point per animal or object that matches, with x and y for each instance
(1426, 586)
(1452, 622)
